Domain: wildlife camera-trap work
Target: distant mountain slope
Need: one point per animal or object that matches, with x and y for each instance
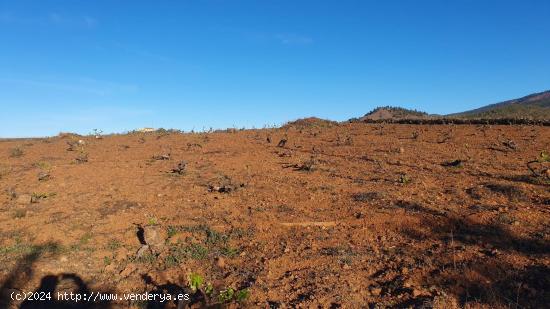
(534, 106)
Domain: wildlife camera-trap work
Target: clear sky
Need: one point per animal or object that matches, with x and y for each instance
(120, 65)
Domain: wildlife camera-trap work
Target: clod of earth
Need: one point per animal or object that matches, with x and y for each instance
(224, 188)
(376, 291)
(454, 163)
(42, 176)
(161, 157)
(365, 196)
(510, 144)
(220, 262)
(308, 165)
(284, 154)
(83, 158)
(75, 145)
(130, 268)
(180, 169)
(24, 199)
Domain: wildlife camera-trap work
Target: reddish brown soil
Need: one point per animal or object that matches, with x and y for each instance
(352, 215)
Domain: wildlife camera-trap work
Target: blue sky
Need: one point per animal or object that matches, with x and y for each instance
(120, 65)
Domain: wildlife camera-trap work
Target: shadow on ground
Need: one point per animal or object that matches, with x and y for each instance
(475, 262)
(67, 283)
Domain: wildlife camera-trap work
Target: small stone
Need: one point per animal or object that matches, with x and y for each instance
(24, 199)
(401, 150)
(416, 292)
(376, 291)
(43, 176)
(110, 268)
(121, 254)
(130, 268)
(220, 262)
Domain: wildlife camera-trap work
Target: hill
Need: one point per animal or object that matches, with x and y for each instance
(311, 122)
(534, 106)
(393, 113)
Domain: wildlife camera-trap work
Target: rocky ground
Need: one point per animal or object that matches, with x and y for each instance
(314, 214)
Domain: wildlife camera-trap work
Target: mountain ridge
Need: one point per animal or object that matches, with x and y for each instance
(534, 106)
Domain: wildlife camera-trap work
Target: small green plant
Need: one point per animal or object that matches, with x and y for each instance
(43, 165)
(16, 152)
(404, 179)
(214, 237)
(544, 157)
(171, 231)
(226, 296)
(230, 294)
(195, 282)
(152, 221)
(107, 261)
(179, 253)
(147, 258)
(171, 260)
(36, 196)
(230, 252)
(21, 248)
(85, 239)
(538, 167)
(113, 244)
(209, 289)
(242, 295)
(197, 252)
